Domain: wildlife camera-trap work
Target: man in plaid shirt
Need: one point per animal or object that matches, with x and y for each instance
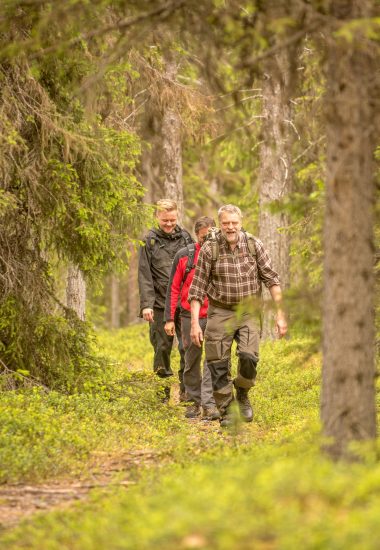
(231, 279)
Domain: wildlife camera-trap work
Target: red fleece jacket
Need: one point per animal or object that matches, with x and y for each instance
(178, 290)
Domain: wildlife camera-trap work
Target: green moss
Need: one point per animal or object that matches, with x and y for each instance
(264, 485)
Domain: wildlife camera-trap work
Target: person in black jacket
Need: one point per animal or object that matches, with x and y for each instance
(155, 262)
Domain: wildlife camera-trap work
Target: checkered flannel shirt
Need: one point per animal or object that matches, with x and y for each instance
(235, 275)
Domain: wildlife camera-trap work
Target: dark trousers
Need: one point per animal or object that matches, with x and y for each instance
(198, 387)
(162, 345)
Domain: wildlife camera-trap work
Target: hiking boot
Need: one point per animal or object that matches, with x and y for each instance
(160, 371)
(193, 410)
(211, 413)
(164, 394)
(183, 398)
(245, 407)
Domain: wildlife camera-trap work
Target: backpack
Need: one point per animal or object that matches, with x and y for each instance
(190, 260)
(212, 237)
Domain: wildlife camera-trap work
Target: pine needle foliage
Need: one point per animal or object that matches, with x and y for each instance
(68, 184)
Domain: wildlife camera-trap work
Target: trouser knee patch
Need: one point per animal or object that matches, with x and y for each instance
(248, 364)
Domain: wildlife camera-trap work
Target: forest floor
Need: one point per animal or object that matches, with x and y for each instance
(19, 501)
(107, 470)
(114, 468)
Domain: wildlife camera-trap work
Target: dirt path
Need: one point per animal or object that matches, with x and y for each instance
(18, 501)
(21, 501)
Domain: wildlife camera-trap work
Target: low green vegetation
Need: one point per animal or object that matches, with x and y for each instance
(266, 497)
(259, 486)
(45, 434)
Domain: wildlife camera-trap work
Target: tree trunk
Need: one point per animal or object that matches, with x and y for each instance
(275, 175)
(132, 289)
(76, 291)
(151, 157)
(348, 390)
(115, 302)
(172, 149)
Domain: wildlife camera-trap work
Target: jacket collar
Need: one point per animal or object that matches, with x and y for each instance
(176, 234)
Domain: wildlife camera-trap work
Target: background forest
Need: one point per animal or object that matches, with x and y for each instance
(106, 107)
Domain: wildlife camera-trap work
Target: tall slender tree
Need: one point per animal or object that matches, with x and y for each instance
(115, 301)
(275, 171)
(76, 291)
(172, 145)
(348, 389)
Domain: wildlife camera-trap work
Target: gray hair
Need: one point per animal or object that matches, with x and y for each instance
(204, 221)
(232, 209)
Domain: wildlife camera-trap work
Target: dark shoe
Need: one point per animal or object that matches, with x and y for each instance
(160, 371)
(164, 394)
(193, 410)
(183, 398)
(211, 413)
(245, 407)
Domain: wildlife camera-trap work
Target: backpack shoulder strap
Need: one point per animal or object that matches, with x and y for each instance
(188, 238)
(152, 239)
(190, 260)
(212, 237)
(251, 243)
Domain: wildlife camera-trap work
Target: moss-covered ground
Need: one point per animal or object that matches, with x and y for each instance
(260, 486)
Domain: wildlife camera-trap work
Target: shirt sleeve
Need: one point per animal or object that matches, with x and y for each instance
(198, 287)
(264, 266)
(145, 279)
(174, 287)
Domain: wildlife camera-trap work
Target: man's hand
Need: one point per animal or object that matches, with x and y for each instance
(281, 324)
(196, 334)
(169, 328)
(147, 314)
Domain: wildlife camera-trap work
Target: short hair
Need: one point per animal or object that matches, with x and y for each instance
(166, 204)
(231, 208)
(204, 221)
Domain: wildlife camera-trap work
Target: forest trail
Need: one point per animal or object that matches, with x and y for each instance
(20, 501)
(107, 471)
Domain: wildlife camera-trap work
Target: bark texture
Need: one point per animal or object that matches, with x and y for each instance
(76, 291)
(348, 389)
(275, 174)
(133, 303)
(172, 149)
(151, 156)
(115, 301)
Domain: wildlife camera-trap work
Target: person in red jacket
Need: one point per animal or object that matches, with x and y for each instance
(198, 388)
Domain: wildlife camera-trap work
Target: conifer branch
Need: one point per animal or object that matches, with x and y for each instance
(161, 13)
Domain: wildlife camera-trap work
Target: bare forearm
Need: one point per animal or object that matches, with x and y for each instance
(196, 333)
(281, 323)
(276, 293)
(195, 307)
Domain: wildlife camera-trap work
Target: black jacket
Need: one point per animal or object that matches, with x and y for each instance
(155, 262)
